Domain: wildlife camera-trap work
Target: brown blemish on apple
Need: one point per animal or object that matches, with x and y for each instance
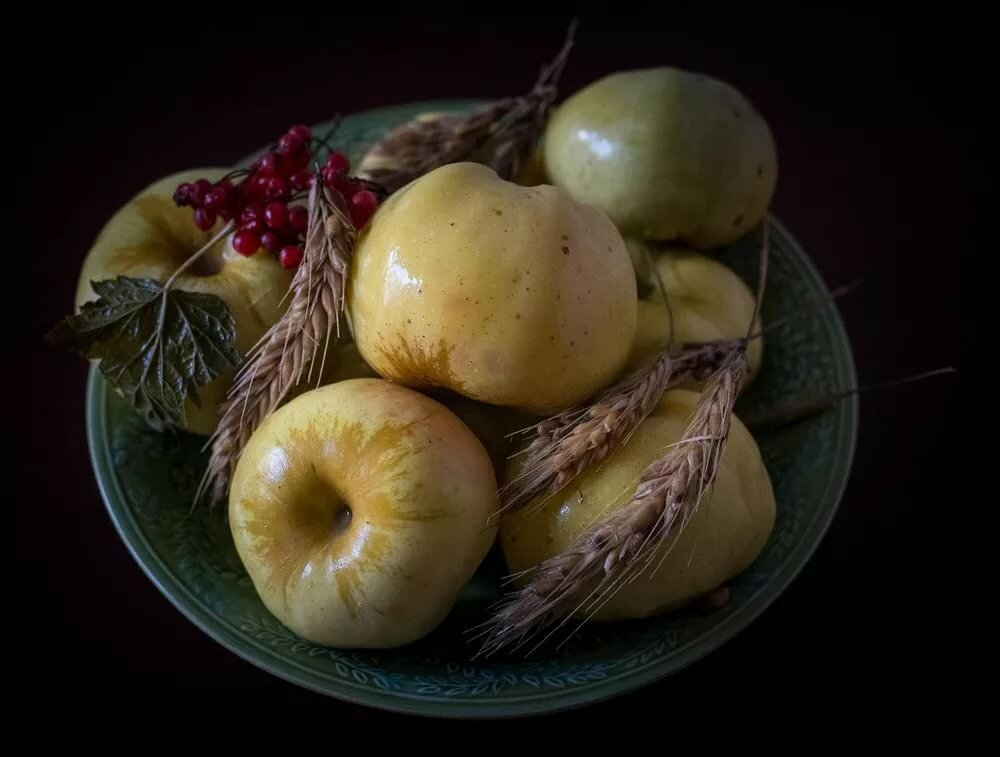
(418, 366)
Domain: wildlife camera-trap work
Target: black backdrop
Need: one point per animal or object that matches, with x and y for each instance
(877, 164)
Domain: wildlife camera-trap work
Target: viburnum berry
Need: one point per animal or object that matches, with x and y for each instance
(338, 162)
(300, 181)
(270, 165)
(290, 146)
(276, 215)
(302, 132)
(277, 188)
(245, 242)
(203, 218)
(298, 219)
(199, 190)
(251, 213)
(270, 241)
(363, 206)
(182, 195)
(215, 199)
(345, 185)
(290, 256)
(296, 163)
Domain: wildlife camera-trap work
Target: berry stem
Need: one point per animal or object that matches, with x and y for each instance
(190, 261)
(233, 174)
(324, 141)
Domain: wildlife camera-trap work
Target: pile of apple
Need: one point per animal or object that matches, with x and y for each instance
(477, 306)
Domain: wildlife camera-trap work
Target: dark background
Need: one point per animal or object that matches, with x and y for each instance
(878, 176)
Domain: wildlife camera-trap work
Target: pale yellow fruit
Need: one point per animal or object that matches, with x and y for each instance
(360, 511)
(728, 532)
(493, 425)
(510, 295)
(150, 237)
(668, 154)
(708, 301)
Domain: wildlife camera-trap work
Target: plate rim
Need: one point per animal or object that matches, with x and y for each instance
(548, 702)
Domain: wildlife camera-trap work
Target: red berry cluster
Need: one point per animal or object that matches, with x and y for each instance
(258, 199)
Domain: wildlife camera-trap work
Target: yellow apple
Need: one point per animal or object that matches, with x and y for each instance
(729, 530)
(510, 295)
(360, 511)
(708, 301)
(151, 237)
(493, 425)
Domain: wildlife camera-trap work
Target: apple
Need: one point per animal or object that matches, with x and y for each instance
(360, 510)
(708, 300)
(510, 295)
(151, 237)
(668, 154)
(729, 530)
(493, 425)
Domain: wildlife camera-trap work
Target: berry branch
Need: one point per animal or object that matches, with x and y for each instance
(260, 201)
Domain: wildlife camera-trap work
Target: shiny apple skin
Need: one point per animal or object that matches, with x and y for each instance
(510, 295)
(150, 237)
(419, 489)
(666, 153)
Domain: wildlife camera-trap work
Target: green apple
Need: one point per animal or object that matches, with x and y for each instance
(666, 153)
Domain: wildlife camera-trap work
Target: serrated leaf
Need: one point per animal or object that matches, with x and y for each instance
(156, 346)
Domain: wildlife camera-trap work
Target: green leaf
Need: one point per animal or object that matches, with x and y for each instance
(156, 346)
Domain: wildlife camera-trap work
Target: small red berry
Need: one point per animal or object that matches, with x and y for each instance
(245, 242)
(251, 213)
(338, 162)
(203, 218)
(199, 191)
(301, 181)
(215, 199)
(270, 165)
(270, 241)
(277, 188)
(290, 146)
(182, 195)
(302, 132)
(290, 256)
(363, 205)
(298, 163)
(276, 215)
(298, 219)
(343, 184)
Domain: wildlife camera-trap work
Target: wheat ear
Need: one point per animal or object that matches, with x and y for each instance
(278, 361)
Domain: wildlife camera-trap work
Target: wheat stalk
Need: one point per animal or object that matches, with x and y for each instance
(566, 444)
(508, 129)
(581, 579)
(278, 361)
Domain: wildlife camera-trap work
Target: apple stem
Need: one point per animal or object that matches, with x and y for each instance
(191, 260)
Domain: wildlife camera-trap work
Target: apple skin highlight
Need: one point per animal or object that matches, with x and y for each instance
(360, 510)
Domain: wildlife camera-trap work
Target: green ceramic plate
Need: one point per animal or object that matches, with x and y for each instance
(147, 481)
